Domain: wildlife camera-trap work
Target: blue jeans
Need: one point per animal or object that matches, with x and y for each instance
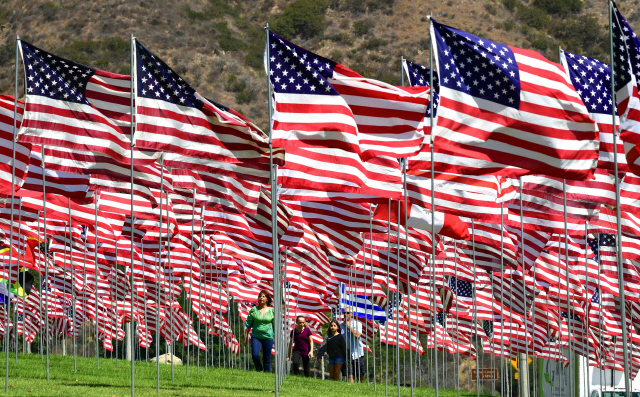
(266, 345)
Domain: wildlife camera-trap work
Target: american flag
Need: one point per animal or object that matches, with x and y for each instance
(592, 81)
(341, 131)
(419, 76)
(463, 295)
(59, 113)
(507, 105)
(174, 118)
(626, 52)
(6, 146)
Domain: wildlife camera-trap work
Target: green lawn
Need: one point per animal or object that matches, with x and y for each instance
(28, 378)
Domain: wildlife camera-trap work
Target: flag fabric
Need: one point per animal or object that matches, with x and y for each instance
(592, 81)
(368, 119)
(173, 117)
(58, 111)
(362, 307)
(23, 150)
(512, 106)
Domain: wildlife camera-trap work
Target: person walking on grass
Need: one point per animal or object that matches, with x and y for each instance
(261, 322)
(336, 347)
(352, 330)
(302, 347)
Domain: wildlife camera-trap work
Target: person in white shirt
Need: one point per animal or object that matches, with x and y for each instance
(352, 331)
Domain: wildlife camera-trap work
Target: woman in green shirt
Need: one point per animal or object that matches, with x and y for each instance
(261, 320)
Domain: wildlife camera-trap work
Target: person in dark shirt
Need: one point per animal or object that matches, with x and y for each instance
(302, 347)
(336, 346)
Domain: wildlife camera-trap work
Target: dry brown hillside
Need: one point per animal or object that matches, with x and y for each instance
(217, 45)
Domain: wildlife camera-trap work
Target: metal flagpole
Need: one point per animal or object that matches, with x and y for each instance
(274, 217)
(389, 309)
(457, 291)
(24, 274)
(586, 268)
(398, 301)
(133, 93)
(623, 310)
(600, 332)
(433, 202)
(95, 258)
(502, 375)
(373, 342)
(566, 257)
(13, 178)
(173, 342)
(115, 300)
(157, 304)
(218, 260)
(475, 304)
(524, 383)
(46, 253)
(40, 300)
(406, 247)
(159, 259)
(188, 325)
(76, 330)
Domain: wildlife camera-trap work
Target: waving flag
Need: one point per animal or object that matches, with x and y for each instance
(58, 111)
(173, 117)
(332, 121)
(362, 307)
(592, 81)
(511, 106)
(6, 146)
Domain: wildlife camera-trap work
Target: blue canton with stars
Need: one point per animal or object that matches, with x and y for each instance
(478, 67)
(487, 326)
(156, 80)
(596, 297)
(461, 288)
(606, 240)
(54, 77)
(626, 59)
(592, 80)
(440, 317)
(294, 70)
(419, 76)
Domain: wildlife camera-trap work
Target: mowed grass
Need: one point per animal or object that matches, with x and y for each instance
(28, 378)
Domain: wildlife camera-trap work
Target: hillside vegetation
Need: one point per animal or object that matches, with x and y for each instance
(217, 45)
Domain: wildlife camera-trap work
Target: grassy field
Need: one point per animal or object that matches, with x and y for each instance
(28, 378)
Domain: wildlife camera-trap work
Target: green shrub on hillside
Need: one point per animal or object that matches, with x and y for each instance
(533, 16)
(561, 7)
(361, 28)
(108, 53)
(583, 35)
(510, 4)
(227, 38)
(304, 18)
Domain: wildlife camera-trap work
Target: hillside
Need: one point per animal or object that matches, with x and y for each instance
(217, 45)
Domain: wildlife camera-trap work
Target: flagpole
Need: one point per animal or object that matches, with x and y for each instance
(132, 107)
(173, 344)
(373, 342)
(623, 313)
(586, 268)
(475, 305)
(95, 256)
(76, 330)
(274, 217)
(433, 203)
(406, 247)
(386, 377)
(398, 303)
(115, 299)
(46, 254)
(502, 375)
(158, 269)
(13, 178)
(23, 281)
(600, 332)
(455, 264)
(187, 330)
(524, 384)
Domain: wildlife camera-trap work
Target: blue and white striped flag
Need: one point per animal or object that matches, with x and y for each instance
(361, 306)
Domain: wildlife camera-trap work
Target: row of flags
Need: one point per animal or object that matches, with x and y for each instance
(513, 135)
